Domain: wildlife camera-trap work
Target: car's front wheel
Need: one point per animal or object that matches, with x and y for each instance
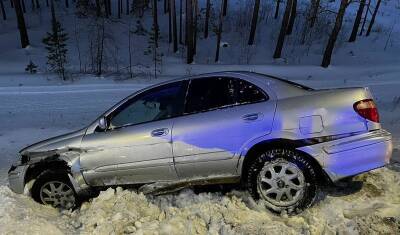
(55, 189)
(284, 180)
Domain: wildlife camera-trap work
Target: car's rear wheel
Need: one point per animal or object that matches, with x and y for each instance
(54, 189)
(284, 180)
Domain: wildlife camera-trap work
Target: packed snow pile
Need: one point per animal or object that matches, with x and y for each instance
(372, 208)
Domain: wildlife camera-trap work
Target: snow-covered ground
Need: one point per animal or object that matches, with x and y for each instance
(31, 113)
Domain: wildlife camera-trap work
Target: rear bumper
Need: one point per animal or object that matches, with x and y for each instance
(16, 178)
(353, 155)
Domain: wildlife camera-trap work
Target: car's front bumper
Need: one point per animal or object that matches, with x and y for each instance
(353, 155)
(16, 178)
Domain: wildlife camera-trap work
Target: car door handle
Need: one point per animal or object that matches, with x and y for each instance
(251, 117)
(159, 132)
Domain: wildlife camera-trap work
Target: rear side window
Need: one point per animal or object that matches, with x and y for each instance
(210, 93)
(213, 92)
(249, 93)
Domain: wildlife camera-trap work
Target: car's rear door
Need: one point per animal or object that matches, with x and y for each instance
(217, 122)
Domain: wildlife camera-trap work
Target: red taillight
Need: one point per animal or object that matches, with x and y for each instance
(367, 109)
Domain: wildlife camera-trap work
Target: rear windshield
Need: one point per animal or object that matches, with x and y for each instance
(288, 82)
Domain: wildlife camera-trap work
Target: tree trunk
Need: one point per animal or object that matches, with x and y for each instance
(155, 23)
(169, 25)
(3, 11)
(254, 21)
(130, 46)
(278, 3)
(378, 3)
(314, 12)
(186, 22)
(21, 24)
(219, 30)
(47, 3)
(225, 7)
(23, 6)
(107, 6)
(119, 9)
(66, 3)
(37, 4)
(335, 31)
(357, 21)
(127, 7)
(165, 6)
(174, 25)
(77, 44)
(284, 27)
(365, 18)
(180, 21)
(293, 13)
(53, 17)
(98, 8)
(100, 49)
(12, 3)
(189, 31)
(196, 14)
(208, 8)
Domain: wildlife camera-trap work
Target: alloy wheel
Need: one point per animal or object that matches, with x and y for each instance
(281, 183)
(57, 194)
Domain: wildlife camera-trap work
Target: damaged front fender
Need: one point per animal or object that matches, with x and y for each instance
(66, 159)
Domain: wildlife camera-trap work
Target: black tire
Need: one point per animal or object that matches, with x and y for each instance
(58, 178)
(274, 158)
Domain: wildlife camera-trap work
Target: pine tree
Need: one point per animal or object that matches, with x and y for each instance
(31, 67)
(56, 47)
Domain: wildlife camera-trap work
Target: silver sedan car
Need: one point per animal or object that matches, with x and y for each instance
(280, 140)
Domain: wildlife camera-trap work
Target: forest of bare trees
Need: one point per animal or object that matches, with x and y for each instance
(192, 20)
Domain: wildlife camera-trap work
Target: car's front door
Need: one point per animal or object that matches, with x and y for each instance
(136, 147)
(221, 114)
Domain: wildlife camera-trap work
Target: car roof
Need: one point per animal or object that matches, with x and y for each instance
(282, 88)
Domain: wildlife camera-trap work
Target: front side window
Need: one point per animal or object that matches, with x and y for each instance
(210, 93)
(159, 103)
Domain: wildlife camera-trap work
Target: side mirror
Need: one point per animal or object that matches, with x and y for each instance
(102, 124)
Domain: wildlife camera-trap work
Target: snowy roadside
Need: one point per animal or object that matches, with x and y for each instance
(30, 114)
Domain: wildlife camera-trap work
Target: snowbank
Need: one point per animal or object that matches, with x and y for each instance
(375, 208)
